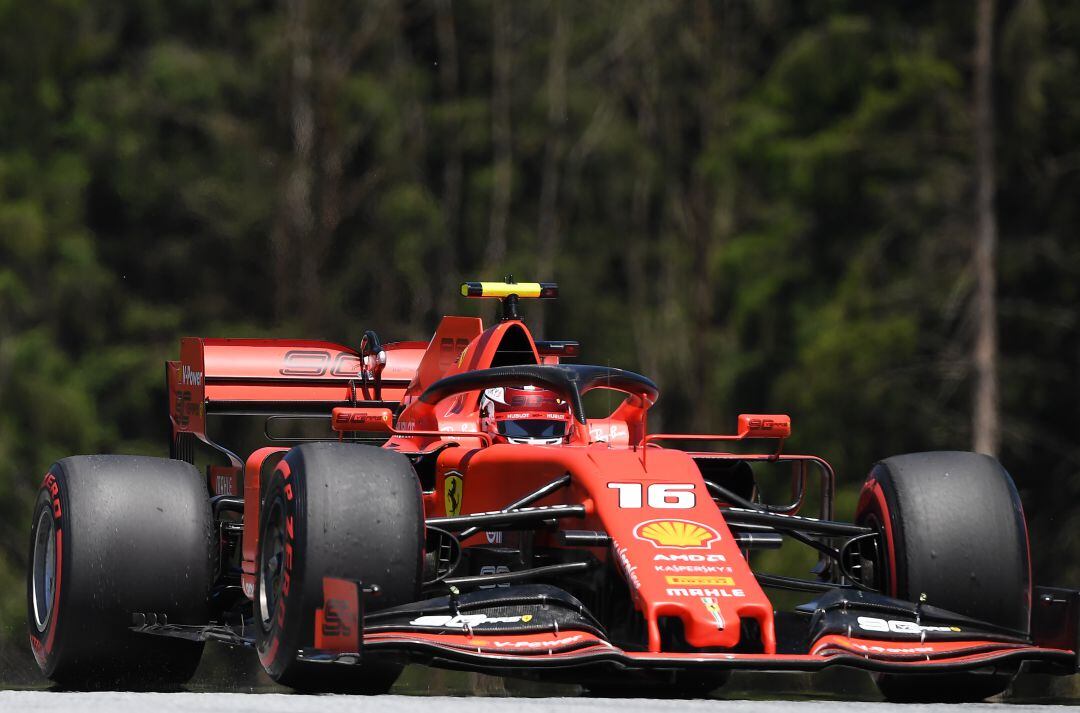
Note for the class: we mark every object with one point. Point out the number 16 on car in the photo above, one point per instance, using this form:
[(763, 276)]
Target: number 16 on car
[(661, 496)]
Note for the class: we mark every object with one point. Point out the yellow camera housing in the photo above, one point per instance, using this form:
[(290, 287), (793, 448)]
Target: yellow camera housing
[(502, 290)]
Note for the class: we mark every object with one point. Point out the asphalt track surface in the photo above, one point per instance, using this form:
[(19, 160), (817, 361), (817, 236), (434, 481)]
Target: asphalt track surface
[(47, 702)]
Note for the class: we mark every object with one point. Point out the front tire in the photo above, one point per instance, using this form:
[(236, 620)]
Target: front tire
[(952, 528), (114, 535), (334, 510)]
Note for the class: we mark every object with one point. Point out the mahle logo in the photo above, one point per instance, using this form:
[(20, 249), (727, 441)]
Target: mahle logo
[(676, 533)]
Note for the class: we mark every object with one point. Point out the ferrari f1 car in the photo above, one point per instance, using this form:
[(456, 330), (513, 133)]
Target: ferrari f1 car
[(450, 503)]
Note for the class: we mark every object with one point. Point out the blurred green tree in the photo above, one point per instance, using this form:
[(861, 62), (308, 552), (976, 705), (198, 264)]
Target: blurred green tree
[(763, 205)]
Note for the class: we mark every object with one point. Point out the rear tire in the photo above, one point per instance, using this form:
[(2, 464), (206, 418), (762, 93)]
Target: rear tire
[(340, 510), (953, 529), (114, 535)]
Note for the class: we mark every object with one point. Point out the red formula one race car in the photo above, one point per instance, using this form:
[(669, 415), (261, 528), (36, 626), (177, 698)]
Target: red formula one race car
[(450, 503)]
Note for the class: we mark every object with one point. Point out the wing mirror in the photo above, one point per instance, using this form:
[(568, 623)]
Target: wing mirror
[(755, 425), (368, 420)]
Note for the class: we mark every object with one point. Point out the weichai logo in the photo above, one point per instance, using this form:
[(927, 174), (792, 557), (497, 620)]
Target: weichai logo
[(676, 533)]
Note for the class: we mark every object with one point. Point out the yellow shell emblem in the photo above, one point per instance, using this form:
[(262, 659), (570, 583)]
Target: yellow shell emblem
[(676, 533)]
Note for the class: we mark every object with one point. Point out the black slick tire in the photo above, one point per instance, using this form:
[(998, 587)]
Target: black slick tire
[(334, 510), (953, 530), (111, 536)]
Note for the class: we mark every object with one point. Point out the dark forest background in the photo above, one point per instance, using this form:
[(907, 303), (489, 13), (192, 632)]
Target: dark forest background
[(764, 205)]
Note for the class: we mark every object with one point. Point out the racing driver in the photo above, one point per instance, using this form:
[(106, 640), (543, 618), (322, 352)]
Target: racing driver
[(525, 414)]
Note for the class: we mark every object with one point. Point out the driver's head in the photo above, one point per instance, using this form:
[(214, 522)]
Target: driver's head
[(524, 414)]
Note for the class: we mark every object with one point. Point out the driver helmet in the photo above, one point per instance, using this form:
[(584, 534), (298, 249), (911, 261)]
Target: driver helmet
[(525, 414)]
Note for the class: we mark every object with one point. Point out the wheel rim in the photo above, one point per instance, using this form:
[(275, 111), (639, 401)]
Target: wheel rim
[(44, 569), (271, 567), (874, 571)]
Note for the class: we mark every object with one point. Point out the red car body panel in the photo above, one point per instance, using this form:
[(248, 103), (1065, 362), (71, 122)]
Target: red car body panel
[(646, 561)]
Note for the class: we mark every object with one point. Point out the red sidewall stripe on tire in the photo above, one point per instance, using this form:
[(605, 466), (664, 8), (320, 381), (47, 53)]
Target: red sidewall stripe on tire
[(43, 649), (269, 654), (872, 499), (1027, 548)]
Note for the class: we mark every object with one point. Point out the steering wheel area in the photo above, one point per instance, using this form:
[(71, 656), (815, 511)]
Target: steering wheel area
[(569, 381)]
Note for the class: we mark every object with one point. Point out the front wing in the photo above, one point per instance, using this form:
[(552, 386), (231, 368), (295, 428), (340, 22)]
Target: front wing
[(536, 628), (542, 627), (581, 648)]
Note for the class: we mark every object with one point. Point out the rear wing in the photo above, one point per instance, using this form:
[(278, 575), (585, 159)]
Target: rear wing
[(278, 376)]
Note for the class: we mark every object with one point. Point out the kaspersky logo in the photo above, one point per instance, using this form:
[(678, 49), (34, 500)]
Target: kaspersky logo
[(676, 533)]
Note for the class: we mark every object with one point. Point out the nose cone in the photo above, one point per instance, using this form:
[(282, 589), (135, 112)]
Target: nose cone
[(675, 550)]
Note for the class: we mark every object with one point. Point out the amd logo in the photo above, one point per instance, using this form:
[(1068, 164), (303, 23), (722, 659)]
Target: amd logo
[(190, 377)]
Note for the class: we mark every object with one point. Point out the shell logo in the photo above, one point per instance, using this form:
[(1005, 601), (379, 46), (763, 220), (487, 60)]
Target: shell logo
[(676, 533)]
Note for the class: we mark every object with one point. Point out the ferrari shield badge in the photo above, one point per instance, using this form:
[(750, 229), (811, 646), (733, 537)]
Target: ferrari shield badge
[(452, 491)]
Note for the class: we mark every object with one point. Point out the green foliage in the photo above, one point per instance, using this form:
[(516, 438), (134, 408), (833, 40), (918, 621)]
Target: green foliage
[(765, 206)]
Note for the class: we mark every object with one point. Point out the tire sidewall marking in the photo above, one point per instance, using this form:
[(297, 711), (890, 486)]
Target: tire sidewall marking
[(270, 653), (872, 501), (43, 642)]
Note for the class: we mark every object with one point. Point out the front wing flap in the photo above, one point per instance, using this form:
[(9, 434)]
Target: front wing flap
[(582, 648), (539, 627)]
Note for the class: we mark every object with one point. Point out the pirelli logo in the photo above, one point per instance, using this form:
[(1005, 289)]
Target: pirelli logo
[(700, 581)]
